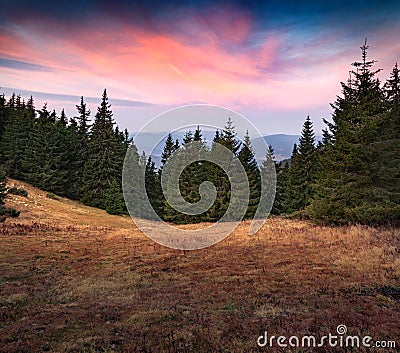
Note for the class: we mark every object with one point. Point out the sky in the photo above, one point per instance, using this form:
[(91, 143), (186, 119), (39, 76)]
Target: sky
[(274, 62)]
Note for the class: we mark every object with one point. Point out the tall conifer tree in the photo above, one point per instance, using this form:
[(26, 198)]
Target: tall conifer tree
[(302, 170), (103, 164)]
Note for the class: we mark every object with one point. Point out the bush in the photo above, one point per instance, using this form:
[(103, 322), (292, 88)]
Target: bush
[(5, 211), (17, 191), (8, 212), (50, 195)]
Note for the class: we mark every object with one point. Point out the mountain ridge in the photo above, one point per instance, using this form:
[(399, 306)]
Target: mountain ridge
[(153, 143)]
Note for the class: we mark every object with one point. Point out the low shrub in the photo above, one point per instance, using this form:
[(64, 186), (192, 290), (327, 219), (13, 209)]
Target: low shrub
[(17, 191), (8, 212), (52, 196)]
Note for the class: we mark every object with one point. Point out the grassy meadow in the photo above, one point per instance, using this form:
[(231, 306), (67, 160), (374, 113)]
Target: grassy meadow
[(75, 279)]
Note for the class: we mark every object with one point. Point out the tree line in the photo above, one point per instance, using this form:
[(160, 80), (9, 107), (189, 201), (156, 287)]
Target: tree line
[(68, 157), (195, 173), (351, 176)]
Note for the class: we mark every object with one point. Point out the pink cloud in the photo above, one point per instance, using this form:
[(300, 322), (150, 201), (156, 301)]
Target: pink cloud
[(215, 61)]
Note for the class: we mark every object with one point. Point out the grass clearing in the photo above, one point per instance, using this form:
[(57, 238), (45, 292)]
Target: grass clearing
[(75, 279)]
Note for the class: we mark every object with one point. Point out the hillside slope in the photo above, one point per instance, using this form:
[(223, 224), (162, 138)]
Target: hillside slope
[(39, 207)]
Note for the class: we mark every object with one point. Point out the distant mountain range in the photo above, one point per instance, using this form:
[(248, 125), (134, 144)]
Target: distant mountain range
[(281, 143), (153, 143)]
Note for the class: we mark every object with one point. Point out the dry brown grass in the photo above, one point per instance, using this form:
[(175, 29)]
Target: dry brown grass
[(74, 279)]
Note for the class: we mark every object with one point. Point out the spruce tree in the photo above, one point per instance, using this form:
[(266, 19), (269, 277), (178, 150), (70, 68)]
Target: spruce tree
[(169, 148), (79, 131), (103, 164), (169, 213), (114, 200), (187, 138), (216, 176), (280, 205), (83, 118), (188, 186), (392, 95), (75, 161), (281, 202), (153, 187), (246, 157), (302, 170), (389, 167), (197, 134), (226, 138), (194, 174), (134, 194)]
